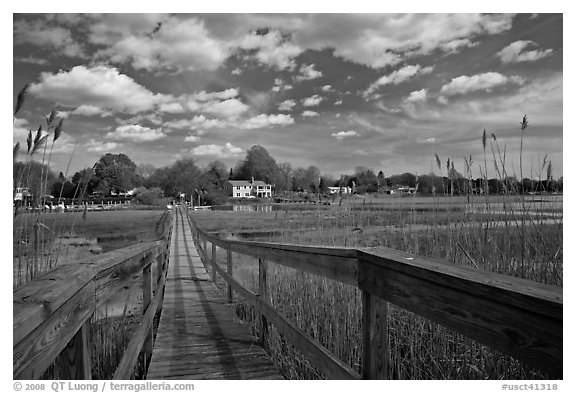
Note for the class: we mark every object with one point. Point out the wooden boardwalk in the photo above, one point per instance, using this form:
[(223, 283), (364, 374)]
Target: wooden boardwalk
[(199, 336)]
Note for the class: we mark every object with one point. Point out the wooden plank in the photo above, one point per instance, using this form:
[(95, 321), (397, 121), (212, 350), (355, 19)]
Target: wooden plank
[(526, 294), (324, 360), (229, 270), (263, 293), (501, 319), (376, 347), (214, 261), (339, 264), (147, 292), (34, 353), (75, 358), (130, 356), (198, 336)]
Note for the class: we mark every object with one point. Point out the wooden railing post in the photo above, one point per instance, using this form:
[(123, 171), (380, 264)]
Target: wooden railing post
[(205, 248), (159, 266), (376, 347), (229, 270), (147, 299), (263, 293), (213, 262), (75, 358)]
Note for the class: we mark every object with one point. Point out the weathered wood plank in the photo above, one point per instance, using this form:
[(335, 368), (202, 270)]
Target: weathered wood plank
[(229, 270), (376, 347), (500, 319), (35, 352), (263, 293), (339, 264), (138, 340), (323, 359), (198, 334), (75, 358)]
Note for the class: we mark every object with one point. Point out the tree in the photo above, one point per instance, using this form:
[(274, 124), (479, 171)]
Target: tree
[(184, 176), (85, 182), (62, 187), (365, 179), (116, 172), (32, 175), (145, 170), (259, 165), (153, 196), (285, 175)]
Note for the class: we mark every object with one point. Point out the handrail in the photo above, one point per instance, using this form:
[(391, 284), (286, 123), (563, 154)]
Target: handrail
[(518, 317), (51, 313)]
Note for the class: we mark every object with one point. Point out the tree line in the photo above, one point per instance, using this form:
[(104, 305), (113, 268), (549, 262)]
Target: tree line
[(115, 174)]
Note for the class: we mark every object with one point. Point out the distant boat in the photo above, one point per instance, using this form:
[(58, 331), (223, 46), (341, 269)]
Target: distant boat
[(202, 207)]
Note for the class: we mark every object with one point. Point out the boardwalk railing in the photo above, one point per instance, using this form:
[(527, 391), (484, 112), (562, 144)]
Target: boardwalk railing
[(517, 317), (51, 314)]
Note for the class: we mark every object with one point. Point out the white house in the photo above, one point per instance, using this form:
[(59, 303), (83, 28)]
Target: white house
[(403, 190), (338, 190), (249, 189)]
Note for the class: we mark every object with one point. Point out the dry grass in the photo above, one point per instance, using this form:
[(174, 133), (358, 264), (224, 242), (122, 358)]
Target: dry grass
[(442, 228)]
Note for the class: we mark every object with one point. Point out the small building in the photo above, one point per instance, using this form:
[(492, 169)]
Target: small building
[(339, 190), (248, 189), (403, 190)]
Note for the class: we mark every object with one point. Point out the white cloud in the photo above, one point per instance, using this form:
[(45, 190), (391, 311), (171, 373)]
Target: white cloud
[(171, 107), (327, 88), (135, 133), (229, 108), (178, 43), (310, 114), (38, 32), (271, 49), (279, 85), (398, 76), (287, 105), (339, 102), (314, 100), (379, 40), (236, 71), (455, 45), (426, 141), (192, 138), (345, 134), (198, 121), (90, 110), (263, 120), (139, 118), (31, 60), (20, 131), (100, 147), (216, 95), (307, 72), (225, 151), (516, 52), (98, 86), (223, 103), (418, 95), (486, 81)]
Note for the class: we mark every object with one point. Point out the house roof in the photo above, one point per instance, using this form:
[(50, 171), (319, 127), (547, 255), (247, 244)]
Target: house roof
[(246, 183), (240, 183)]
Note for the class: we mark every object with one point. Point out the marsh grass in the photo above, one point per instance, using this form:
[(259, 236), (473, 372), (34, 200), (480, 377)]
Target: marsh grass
[(510, 234)]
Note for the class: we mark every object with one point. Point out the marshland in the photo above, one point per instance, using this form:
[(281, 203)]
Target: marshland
[(518, 236), (435, 139)]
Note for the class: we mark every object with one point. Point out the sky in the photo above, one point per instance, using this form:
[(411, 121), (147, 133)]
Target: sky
[(338, 91)]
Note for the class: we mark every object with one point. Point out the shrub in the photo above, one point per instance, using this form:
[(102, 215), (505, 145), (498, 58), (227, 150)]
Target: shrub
[(149, 196)]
